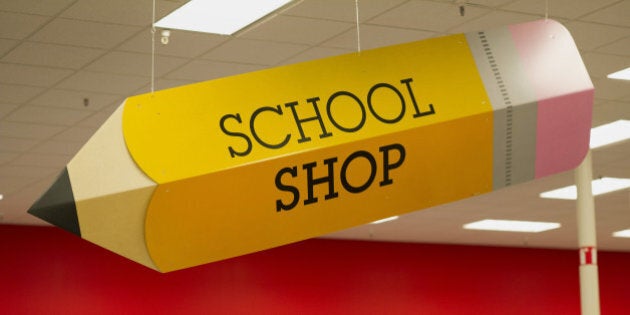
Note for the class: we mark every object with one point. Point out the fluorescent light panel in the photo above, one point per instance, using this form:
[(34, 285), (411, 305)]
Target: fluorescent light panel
[(511, 226), (219, 16), (385, 220), (600, 186), (613, 132), (622, 233), (620, 75)]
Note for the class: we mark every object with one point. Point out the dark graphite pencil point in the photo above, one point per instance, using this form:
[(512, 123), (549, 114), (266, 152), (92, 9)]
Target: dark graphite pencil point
[(57, 205)]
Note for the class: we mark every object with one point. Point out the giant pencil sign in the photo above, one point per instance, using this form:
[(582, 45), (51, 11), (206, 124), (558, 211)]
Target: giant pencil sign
[(227, 167)]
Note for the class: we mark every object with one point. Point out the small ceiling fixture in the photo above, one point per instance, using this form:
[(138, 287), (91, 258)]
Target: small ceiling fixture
[(219, 16), (165, 36)]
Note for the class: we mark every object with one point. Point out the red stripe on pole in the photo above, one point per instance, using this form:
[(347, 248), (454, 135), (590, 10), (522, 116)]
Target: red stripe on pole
[(588, 255)]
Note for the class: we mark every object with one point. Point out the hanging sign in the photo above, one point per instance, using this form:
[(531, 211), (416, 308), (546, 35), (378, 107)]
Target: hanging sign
[(231, 166)]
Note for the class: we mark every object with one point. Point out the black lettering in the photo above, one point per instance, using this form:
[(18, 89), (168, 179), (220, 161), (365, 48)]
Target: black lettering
[(233, 152), (277, 110), (413, 100), (292, 189), (317, 117), (379, 117), (334, 122), (344, 168), (386, 165), (330, 179)]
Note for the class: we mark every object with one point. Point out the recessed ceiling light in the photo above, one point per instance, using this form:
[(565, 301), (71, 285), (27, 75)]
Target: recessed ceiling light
[(1, 196), (610, 133), (620, 75), (385, 220), (511, 226), (599, 186), (218, 16), (622, 233)]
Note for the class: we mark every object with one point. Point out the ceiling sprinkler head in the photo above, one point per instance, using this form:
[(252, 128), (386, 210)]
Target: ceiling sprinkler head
[(166, 34)]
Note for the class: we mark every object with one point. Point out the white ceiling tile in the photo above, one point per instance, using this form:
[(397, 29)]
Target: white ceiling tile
[(61, 147), (617, 14), (135, 64), (18, 25), (341, 10), (47, 115), (5, 109), (58, 56), (17, 93), (612, 111), (610, 89), (163, 84), (494, 19), (203, 70), (619, 169), (373, 36), (103, 83), (6, 45), (119, 11), (296, 30), (75, 99), (8, 185), (589, 36), (16, 145), (254, 51), (6, 157), (69, 141), (318, 53), (21, 199), (28, 131), (31, 75), (84, 33), (26, 171), (620, 47), (569, 9), (603, 156), (22, 217), (426, 15), (42, 160), (488, 3), (95, 121), (40, 7), (181, 43), (600, 65)]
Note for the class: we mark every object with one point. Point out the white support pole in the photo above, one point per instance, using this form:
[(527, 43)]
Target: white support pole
[(587, 240)]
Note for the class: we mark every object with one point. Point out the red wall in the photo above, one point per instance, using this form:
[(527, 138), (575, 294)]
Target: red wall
[(44, 270)]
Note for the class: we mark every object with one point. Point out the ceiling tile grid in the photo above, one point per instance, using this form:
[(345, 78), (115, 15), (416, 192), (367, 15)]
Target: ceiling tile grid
[(51, 55), (18, 25), (66, 65), (254, 51), (36, 7)]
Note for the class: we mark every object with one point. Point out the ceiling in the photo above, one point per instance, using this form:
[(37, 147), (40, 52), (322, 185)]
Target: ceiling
[(56, 55)]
